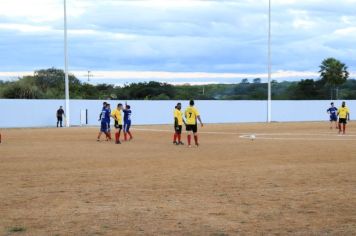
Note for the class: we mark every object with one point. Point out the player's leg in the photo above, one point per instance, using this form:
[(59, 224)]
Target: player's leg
[(340, 123), (180, 135), (195, 131), (57, 121), (61, 121), (125, 131), (128, 130), (175, 135), (118, 133), (344, 127), (0, 137), (189, 134), (102, 130), (109, 132)]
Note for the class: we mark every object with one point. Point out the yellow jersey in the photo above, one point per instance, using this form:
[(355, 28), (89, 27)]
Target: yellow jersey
[(117, 116), (179, 115), (343, 111), (191, 114)]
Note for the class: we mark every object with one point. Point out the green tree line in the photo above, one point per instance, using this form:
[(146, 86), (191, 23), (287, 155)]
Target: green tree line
[(49, 84)]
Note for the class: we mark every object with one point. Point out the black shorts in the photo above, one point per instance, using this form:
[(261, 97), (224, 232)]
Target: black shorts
[(117, 126), (178, 129), (342, 121), (59, 118), (193, 128)]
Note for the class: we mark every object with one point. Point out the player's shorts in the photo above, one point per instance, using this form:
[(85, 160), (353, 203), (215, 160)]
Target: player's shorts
[(193, 128), (178, 129), (59, 118), (105, 127), (342, 121), (127, 126), (333, 118), (117, 125)]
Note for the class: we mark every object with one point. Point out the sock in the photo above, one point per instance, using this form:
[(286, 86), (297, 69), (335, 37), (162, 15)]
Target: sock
[(130, 134), (125, 136), (196, 139), (188, 139), (179, 138), (117, 136), (175, 137)]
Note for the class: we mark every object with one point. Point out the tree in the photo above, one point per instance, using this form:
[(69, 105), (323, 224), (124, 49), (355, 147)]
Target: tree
[(257, 81), (334, 73), (244, 81)]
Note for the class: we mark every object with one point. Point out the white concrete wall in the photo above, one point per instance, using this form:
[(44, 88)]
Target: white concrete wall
[(42, 113)]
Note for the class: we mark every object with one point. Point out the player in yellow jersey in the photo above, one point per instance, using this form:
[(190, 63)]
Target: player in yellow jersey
[(192, 115), (178, 124), (344, 116), (116, 114)]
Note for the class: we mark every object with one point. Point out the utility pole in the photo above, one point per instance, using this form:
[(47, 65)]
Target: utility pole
[(67, 108), (269, 102)]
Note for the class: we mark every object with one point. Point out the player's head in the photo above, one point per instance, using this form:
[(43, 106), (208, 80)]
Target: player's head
[(119, 106), (179, 106), (332, 104), (107, 105), (104, 104), (128, 107), (343, 104), (191, 102), (61, 107)]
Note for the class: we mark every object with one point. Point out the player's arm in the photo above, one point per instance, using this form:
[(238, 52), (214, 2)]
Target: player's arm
[(199, 119), (100, 116), (112, 115)]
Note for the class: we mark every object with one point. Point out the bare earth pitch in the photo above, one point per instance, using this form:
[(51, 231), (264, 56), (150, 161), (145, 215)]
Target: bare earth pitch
[(295, 178)]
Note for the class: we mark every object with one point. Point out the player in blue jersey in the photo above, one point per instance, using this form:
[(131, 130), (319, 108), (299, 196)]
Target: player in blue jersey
[(332, 111), (105, 122), (127, 122)]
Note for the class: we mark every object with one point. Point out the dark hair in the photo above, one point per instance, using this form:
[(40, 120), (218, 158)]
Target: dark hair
[(128, 106), (191, 102), (332, 103), (104, 103), (119, 105), (179, 104)]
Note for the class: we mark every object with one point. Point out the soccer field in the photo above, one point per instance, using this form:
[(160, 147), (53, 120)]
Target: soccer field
[(294, 178)]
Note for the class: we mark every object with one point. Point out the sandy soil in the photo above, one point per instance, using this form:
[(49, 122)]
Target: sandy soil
[(293, 179)]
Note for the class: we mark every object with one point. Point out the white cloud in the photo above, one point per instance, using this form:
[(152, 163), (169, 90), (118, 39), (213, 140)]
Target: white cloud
[(224, 37)]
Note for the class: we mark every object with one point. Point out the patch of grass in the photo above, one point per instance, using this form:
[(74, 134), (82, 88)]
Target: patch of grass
[(17, 229)]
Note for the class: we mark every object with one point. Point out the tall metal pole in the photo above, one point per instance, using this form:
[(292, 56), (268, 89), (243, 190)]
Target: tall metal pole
[(67, 108), (269, 102)]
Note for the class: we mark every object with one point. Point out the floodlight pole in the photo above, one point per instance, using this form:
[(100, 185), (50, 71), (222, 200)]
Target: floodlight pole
[(269, 102), (67, 108)]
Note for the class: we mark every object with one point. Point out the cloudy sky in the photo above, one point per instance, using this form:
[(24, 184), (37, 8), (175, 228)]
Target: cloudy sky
[(176, 41)]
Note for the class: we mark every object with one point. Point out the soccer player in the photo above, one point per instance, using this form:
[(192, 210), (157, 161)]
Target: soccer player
[(127, 122), (105, 123), (60, 114), (344, 116), (192, 115), (116, 114), (332, 111), (178, 124)]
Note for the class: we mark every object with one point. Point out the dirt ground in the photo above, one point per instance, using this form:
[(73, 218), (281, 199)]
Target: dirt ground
[(293, 179)]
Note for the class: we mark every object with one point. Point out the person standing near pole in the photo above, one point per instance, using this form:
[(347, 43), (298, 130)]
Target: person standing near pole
[(60, 115)]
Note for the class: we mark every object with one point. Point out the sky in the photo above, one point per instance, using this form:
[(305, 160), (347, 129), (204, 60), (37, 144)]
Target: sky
[(176, 41)]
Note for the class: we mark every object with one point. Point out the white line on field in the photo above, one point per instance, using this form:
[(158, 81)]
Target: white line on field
[(294, 136)]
